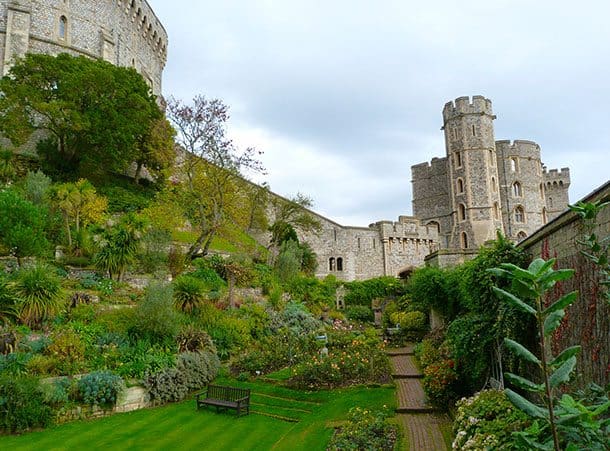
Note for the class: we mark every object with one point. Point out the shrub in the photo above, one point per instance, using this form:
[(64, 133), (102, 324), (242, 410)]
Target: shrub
[(205, 271), (154, 252), (168, 385), (100, 388), (360, 313), (298, 318), (229, 334), (189, 292), (139, 360), (68, 351), (439, 382), (364, 292), (155, 317), (412, 324), (42, 365), (23, 405), (486, 421), (39, 294), (191, 339), (199, 368), (365, 430)]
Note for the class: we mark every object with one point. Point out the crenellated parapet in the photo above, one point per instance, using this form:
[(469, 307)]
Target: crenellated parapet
[(557, 177), (466, 105)]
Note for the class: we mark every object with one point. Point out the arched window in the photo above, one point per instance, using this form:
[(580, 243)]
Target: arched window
[(514, 167), (464, 240), (519, 214), (340, 264), (517, 191), (63, 27), (521, 236), (434, 226), (331, 264), (492, 158), (494, 188), (496, 211), (458, 160), (461, 212), (544, 217), (460, 186)]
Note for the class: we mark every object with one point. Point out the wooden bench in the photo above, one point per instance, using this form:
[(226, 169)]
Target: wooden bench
[(225, 398)]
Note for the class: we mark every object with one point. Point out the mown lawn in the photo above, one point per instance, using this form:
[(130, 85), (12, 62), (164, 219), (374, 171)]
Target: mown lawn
[(280, 419)]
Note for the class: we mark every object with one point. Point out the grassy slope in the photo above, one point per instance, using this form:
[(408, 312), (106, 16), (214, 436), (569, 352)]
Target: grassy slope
[(181, 426)]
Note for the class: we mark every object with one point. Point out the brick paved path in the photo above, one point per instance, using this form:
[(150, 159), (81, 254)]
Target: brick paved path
[(418, 420)]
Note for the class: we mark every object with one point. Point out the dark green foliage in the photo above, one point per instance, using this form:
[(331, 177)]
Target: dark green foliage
[(189, 292), (365, 429), (360, 313), (95, 113), (22, 226), (435, 288), (191, 339), (211, 270), (36, 187), (313, 292), (364, 292), (130, 199), (100, 388), (38, 294), (281, 232), (288, 263), (168, 385), (22, 404), (154, 252), (155, 317)]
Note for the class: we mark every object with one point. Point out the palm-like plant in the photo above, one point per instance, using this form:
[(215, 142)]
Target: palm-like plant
[(38, 294), (189, 293)]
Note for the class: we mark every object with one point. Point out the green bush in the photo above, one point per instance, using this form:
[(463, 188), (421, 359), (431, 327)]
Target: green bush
[(23, 404), (189, 292), (121, 199), (364, 292), (100, 388), (360, 313), (198, 368), (486, 421), (440, 383), (67, 349), (154, 252), (168, 385), (365, 430), (38, 293), (191, 339), (206, 272), (138, 360), (155, 318)]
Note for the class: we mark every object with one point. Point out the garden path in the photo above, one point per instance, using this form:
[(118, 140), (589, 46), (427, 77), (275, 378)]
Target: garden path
[(418, 420)]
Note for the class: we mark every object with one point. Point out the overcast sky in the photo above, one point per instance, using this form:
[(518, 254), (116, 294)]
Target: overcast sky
[(343, 97)]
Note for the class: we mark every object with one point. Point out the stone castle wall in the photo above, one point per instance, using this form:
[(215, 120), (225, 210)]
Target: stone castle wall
[(123, 32), (587, 322)]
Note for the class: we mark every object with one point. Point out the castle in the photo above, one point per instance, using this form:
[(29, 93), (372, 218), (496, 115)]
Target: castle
[(123, 32), (460, 201)]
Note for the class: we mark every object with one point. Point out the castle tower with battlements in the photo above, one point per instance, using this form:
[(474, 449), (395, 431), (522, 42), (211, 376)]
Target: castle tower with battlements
[(483, 186)]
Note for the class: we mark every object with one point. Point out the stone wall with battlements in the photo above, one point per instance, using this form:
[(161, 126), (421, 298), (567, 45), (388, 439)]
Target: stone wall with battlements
[(123, 32)]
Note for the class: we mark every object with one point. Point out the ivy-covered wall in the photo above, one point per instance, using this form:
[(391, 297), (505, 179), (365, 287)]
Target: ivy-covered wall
[(588, 320)]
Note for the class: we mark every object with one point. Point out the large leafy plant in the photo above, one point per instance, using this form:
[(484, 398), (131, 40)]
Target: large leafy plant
[(560, 423)]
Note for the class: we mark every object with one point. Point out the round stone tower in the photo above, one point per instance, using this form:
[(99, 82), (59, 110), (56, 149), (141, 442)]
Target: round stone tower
[(472, 171)]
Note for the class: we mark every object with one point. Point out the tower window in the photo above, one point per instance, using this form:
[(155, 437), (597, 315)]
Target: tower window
[(496, 211), (462, 212), (494, 188), (474, 133), (331, 264), (517, 191), (63, 27), (514, 167), (458, 159), (519, 214), (521, 236), (339, 264), (541, 191), (492, 158), (544, 218), (460, 186), (464, 240)]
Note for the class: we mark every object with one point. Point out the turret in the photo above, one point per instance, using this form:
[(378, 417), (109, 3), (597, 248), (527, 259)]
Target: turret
[(473, 175), (556, 184)]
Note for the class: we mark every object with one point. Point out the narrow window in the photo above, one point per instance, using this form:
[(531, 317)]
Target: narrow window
[(513, 164), (462, 212), (519, 214), (492, 158), (464, 239), (517, 191), (494, 188), (358, 243), (550, 202), (340, 264), (460, 186), (458, 159), (335, 234), (331, 264), (63, 27), (541, 191), (374, 244), (544, 218), (474, 133), (496, 211)]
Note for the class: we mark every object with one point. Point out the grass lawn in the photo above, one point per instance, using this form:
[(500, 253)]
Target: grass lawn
[(280, 419)]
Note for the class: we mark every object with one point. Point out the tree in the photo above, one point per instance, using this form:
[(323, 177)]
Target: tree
[(80, 206), (22, 226), (156, 150), (210, 170), (93, 114)]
